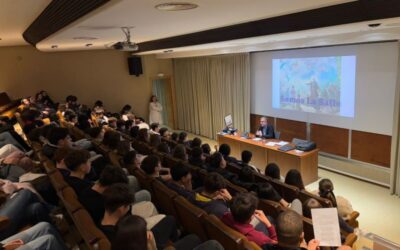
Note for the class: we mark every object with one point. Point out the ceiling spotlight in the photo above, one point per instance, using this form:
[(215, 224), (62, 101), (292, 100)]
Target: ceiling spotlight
[(88, 44), (54, 46), (176, 6)]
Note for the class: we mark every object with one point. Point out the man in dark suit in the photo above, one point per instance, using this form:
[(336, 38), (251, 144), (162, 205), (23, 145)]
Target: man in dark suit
[(265, 130)]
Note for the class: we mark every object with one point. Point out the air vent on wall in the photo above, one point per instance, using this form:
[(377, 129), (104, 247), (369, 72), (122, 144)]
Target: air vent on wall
[(176, 6)]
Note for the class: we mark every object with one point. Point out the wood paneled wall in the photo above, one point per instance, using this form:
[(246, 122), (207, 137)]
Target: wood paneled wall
[(366, 147)]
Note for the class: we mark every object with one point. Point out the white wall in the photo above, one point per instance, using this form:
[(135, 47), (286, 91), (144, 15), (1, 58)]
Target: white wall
[(376, 74)]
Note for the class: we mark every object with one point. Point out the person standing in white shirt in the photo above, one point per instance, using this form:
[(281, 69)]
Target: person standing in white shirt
[(155, 111)]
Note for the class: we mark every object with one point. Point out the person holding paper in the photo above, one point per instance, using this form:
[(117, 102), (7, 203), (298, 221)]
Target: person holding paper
[(265, 130)]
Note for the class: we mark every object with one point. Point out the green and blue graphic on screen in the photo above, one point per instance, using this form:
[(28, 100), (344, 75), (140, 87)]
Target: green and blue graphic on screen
[(317, 84)]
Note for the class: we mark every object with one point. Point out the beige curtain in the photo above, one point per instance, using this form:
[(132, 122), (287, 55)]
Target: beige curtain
[(395, 152), (208, 89)]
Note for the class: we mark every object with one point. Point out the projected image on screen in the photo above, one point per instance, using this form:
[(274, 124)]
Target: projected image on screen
[(317, 84)]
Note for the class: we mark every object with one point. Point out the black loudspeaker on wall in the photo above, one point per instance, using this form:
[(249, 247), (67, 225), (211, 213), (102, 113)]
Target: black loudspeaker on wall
[(135, 65)]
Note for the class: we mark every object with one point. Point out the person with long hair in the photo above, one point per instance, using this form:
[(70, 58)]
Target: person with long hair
[(155, 109), (293, 177)]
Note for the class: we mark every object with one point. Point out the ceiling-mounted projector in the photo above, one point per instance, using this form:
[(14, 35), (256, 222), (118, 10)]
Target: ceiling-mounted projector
[(126, 45)]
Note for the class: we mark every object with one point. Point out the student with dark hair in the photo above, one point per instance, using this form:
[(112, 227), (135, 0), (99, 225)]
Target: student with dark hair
[(151, 165), (246, 159), (77, 161), (214, 196), (272, 170), (164, 132), (293, 177), (83, 122), (131, 162), (247, 179), (180, 152), (96, 133), (181, 181), (155, 140), (309, 204), (289, 227), (140, 122), (134, 132), (57, 138), (111, 139), (143, 135), (130, 233), (243, 208), (126, 113), (225, 150), (206, 148), (197, 158), (196, 142), (182, 137), (267, 191), (218, 164), (343, 206), (92, 199), (174, 136), (155, 128), (163, 148), (58, 158), (71, 117)]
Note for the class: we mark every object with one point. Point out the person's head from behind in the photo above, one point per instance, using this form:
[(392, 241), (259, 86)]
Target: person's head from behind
[(130, 158), (111, 175), (266, 191), (98, 103), (181, 173), (243, 207), (196, 142), (60, 155), (263, 121), (163, 132), (143, 135), (206, 148), (225, 150), (272, 170), (180, 152), (111, 139), (118, 199), (293, 177), (4, 120), (246, 156), (134, 132), (182, 137), (174, 136), (59, 137), (246, 174), (78, 161), (155, 140), (155, 127), (197, 154), (214, 183), (163, 148), (95, 132), (70, 116), (130, 234), (126, 109), (217, 161), (151, 165), (326, 190), (309, 204), (289, 227)]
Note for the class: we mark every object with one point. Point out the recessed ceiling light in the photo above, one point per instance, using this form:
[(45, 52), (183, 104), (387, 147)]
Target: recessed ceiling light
[(84, 38), (176, 6), (168, 51), (54, 46)]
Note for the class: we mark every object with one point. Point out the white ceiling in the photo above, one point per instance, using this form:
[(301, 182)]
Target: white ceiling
[(151, 23), (15, 17)]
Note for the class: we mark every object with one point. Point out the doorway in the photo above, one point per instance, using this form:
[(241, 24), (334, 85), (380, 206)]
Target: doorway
[(162, 88)]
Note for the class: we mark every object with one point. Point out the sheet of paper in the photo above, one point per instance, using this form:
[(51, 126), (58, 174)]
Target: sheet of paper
[(282, 143), (271, 143), (257, 139), (298, 151), (326, 226)]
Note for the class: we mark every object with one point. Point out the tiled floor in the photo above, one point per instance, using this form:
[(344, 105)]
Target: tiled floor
[(379, 211)]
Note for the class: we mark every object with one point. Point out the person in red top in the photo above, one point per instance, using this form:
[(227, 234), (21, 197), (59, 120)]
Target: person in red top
[(243, 209)]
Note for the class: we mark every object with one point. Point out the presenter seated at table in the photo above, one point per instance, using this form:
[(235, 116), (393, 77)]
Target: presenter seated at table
[(265, 130)]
